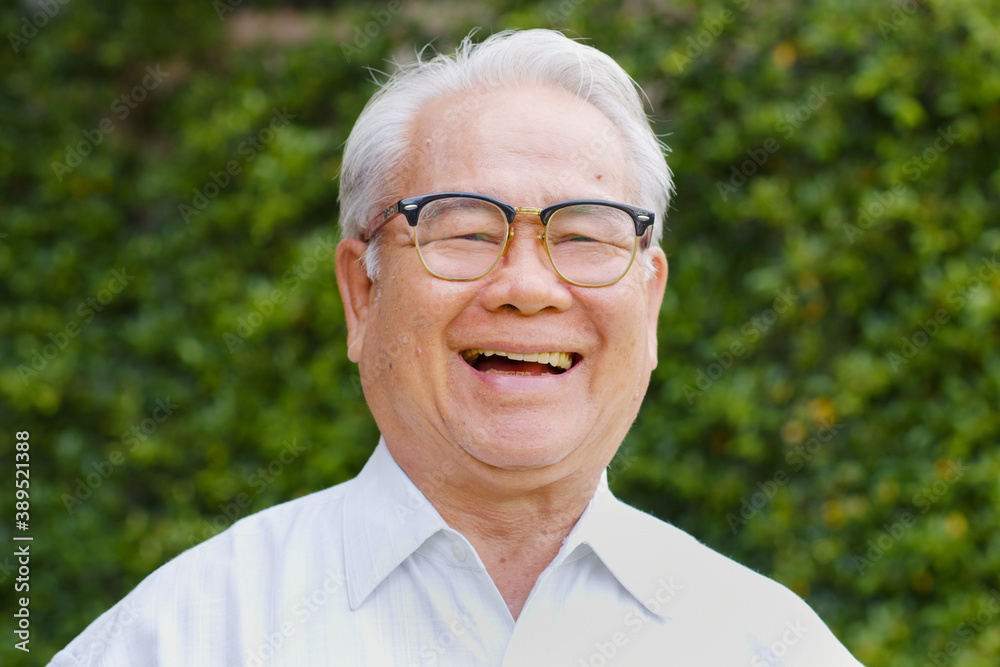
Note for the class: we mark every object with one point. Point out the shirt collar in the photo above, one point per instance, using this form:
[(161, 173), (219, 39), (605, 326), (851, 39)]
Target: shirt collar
[(614, 531), (387, 518)]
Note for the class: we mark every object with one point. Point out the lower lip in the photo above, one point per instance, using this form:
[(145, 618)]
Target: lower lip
[(520, 384)]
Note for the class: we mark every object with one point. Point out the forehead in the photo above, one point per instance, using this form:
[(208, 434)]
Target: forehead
[(529, 141)]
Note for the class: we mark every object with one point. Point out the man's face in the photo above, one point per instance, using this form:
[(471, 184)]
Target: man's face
[(532, 146)]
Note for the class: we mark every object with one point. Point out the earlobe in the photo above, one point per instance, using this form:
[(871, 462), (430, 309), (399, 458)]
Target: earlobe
[(656, 285), (355, 292)]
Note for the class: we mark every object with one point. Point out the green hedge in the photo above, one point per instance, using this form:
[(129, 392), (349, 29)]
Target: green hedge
[(826, 405)]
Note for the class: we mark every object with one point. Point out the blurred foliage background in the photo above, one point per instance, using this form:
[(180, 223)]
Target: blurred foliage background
[(826, 405)]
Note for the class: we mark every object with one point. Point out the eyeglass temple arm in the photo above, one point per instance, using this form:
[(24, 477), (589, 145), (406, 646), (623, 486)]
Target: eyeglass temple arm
[(379, 221)]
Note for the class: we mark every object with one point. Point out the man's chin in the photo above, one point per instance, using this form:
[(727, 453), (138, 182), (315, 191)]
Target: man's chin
[(516, 452)]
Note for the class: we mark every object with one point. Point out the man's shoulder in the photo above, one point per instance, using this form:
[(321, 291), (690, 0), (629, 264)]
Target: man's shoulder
[(712, 593), (681, 546), (261, 541), (273, 523), (679, 554), (229, 577)]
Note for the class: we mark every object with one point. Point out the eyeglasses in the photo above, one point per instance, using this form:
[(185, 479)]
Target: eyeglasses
[(462, 236)]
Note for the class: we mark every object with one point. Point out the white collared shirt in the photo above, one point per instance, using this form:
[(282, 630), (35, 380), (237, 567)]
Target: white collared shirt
[(367, 573)]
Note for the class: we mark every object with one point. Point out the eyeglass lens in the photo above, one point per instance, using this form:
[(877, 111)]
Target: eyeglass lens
[(462, 238)]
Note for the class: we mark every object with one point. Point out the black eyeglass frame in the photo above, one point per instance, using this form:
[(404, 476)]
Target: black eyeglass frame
[(410, 207)]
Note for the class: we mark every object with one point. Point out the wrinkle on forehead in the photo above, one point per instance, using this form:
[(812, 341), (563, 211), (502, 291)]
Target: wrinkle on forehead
[(446, 127)]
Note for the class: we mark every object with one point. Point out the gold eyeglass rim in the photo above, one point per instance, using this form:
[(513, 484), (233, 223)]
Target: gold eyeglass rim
[(410, 208)]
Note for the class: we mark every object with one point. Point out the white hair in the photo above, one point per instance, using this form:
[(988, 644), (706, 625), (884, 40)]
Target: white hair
[(378, 147)]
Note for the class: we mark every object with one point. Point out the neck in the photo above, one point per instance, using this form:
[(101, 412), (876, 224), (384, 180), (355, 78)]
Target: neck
[(516, 535)]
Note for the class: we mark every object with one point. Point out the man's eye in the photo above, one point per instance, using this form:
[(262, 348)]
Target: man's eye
[(574, 236)]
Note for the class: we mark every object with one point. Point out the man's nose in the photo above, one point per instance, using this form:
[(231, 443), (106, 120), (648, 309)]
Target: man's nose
[(524, 278)]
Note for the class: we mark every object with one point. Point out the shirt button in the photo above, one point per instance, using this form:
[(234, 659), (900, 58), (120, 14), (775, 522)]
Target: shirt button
[(458, 551)]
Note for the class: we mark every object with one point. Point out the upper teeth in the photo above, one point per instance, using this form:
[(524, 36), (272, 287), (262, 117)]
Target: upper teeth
[(555, 359)]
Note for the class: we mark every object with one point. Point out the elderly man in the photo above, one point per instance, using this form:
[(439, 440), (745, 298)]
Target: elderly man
[(501, 279)]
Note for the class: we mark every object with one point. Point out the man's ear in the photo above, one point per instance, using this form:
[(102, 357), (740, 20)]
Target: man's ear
[(655, 287), (355, 291)]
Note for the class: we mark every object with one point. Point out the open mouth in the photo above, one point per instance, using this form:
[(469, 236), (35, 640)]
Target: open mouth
[(514, 363)]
